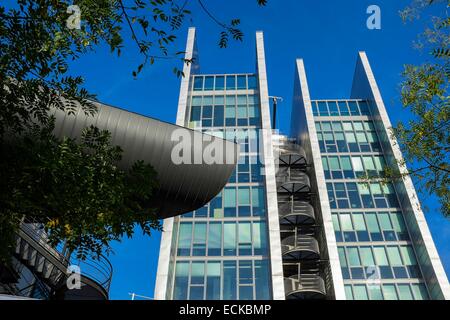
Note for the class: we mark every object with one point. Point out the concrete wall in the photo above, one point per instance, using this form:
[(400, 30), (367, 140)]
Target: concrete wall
[(273, 221)]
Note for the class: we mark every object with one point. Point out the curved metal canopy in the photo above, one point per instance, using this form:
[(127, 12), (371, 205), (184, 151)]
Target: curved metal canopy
[(182, 187)]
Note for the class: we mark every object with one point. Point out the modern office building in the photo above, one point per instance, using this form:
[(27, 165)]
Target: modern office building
[(296, 219)]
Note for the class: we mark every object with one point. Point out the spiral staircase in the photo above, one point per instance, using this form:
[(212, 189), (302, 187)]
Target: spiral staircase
[(42, 271), (298, 224)]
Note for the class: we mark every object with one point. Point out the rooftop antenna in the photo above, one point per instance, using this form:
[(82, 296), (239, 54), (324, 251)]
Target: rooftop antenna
[(274, 115)]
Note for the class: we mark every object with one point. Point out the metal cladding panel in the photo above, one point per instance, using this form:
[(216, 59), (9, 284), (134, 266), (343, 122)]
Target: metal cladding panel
[(182, 187)]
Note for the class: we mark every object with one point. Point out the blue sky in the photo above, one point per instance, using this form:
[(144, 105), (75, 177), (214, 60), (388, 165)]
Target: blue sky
[(326, 34)]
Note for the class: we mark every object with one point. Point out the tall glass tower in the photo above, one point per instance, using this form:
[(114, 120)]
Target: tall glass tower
[(296, 219), (221, 251)]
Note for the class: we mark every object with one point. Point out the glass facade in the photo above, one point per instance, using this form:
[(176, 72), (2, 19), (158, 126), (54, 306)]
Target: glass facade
[(220, 251), (375, 250)]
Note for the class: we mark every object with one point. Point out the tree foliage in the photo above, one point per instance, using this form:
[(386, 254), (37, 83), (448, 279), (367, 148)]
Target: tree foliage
[(75, 187), (425, 139)]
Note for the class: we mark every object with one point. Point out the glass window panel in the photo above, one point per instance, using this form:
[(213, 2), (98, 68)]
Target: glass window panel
[(197, 272), (252, 82), (253, 99), (405, 292), (229, 280), (358, 220), (245, 272), (220, 83), (325, 163), (252, 111), (323, 110), (337, 126), (318, 126), (389, 292), (213, 281), (334, 163), (398, 222), (348, 126), (259, 237), (215, 239), (420, 291), (361, 137), (342, 259), (346, 163), (329, 137), (198, 83), (353, 108), (200, 232), (372, 223), (363, 189), (230, 112), (379, 163), (231, 100), (357, 164), (375, 292), (353, 257), (229, 238), (348, 292), (394, 256), (209, 83), (244, 196), (184, 239), (358, 126), (336, 225), (332, 105), (242, 111), (388, 188), (408, 255), (360, 292), (380, 256), (196, 113), (343, 108), (368, 163), (371, 136), (262, 281), (231, 82), (229, 196), (385, 222), (339, 136), (245, 292), (375, 188), (366, 256), (368, 126), (245, 235), (180, 291), (219, 100), (242, 82), (208, 100), (197, 101), (242, 100), (326, 126), (350, 136), (218, 116), (346, 222), (258, 197)]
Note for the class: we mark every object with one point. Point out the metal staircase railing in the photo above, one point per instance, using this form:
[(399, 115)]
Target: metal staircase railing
[(50, 264), (297, 217)]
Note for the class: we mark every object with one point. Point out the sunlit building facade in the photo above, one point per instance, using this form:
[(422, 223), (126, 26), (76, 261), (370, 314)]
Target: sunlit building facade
[(297, 219)]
